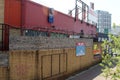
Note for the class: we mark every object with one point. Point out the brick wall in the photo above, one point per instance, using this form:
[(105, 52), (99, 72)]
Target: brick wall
[(36, 43), (1, 11)]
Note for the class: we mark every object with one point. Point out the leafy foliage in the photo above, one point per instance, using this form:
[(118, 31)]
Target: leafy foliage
[(111, 58)]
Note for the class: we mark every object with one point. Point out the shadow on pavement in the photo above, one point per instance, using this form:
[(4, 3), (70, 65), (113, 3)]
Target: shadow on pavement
[(89, 74)]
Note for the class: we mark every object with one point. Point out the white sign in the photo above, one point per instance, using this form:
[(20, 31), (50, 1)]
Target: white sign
[(92, 17)]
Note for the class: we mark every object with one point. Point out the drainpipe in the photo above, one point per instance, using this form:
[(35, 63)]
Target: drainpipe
[(22, 15), (76, 10)]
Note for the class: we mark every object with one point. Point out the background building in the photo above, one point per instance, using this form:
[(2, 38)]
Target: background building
[(104, 21), (116, 30)]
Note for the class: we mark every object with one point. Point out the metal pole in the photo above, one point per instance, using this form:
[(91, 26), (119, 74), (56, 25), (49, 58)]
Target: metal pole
[(2, 37), (75, 9), (87, 13)]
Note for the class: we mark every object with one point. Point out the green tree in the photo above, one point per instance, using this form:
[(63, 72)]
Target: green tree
[(111, 58)]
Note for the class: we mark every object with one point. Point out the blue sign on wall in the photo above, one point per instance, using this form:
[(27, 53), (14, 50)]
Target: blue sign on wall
[(80, 49), (51, 15), (51, 19)]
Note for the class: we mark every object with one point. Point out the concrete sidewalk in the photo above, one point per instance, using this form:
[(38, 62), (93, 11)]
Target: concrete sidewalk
[(93, 73)]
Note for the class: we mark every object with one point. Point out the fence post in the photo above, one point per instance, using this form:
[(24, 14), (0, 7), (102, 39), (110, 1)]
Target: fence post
[(36, 64)]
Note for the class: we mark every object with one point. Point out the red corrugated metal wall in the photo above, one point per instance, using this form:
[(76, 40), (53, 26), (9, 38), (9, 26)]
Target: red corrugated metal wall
[(13, 12), (36, 15)]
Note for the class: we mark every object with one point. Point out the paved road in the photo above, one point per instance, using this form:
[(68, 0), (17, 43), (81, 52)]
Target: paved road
[(93, 73)]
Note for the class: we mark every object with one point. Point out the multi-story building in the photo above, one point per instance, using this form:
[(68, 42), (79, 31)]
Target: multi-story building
[(104, 21)]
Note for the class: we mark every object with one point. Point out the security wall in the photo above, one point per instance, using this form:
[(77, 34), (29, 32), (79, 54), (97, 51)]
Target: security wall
[(36, 16), (47, 64), (39, 42), (30, 15), (32, 63)]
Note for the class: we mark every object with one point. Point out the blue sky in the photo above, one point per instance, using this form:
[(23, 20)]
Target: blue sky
[(112, 6)]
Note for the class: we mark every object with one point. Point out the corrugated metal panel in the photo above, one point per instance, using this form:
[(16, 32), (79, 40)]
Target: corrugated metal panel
[(36, 15), (13, 12)]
